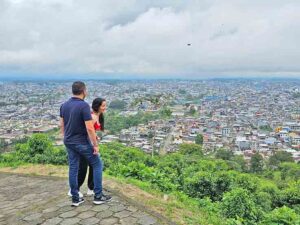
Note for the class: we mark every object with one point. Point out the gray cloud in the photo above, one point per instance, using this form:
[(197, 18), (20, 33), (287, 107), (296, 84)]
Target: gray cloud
[(142, 37)]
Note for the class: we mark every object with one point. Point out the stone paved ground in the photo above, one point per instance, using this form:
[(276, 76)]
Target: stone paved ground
[(42, 200)]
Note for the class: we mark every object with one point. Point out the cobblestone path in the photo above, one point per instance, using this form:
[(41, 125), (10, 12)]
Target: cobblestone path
[(43, 200)]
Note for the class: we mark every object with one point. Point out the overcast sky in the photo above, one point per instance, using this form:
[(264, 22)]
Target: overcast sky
[(150, 38)]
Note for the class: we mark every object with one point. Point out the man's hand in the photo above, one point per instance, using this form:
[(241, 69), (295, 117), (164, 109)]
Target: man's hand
[(96, 150)]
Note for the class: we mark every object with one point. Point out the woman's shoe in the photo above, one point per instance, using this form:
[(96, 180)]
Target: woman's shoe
[(90, 192), (80, 194)]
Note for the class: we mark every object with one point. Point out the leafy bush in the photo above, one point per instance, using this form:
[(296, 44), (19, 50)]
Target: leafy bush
[(256, 163), (116, 122), (224, 154), (263, 200), (247, 182), (190, 149), (283, 215), (291, 196), (38, 149), (238, 204), (280, 157), (206, 184), (289, 171)]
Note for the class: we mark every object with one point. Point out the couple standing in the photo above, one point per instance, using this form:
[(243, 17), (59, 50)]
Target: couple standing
[(79, 125)]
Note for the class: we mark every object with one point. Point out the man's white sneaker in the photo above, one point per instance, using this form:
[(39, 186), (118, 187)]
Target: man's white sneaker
[(90, 192), (80, 194)]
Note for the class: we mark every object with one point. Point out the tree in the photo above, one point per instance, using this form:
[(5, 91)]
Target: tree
[(296, 95), (165, 112), (291, 195), (224, 154), (189, 97), (200, 185), (241, 162), (151, 134), (115, 123), (208, 184), (190, 149), (182, 91), (256, 163), (289, 171), (279, 157), (192, 111), (39, 143), (283, 215), (199, 139), (118, 104), (2, 143), (239, 204), (266, 128), (264, 201), (246, 181)]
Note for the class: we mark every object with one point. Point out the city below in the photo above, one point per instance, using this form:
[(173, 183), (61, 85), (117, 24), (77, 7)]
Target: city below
[(240, 115)]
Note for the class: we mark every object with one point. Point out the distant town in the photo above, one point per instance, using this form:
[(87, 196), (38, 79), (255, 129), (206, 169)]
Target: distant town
[(243, 116)]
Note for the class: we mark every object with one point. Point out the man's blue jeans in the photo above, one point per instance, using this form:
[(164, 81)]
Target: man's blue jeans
[(86, 151)]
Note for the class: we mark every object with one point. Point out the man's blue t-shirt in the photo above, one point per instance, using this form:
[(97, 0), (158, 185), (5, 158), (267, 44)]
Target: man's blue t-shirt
[(75, 112)]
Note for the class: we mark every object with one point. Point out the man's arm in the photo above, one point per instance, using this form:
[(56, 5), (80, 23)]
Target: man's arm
[(92, 134), (62, 126)]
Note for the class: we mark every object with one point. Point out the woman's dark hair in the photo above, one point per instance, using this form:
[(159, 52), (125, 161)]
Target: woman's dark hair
[(95, 106)]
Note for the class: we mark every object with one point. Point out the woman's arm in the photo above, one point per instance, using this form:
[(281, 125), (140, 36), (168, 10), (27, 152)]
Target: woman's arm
[(95, 120), (94, 117)]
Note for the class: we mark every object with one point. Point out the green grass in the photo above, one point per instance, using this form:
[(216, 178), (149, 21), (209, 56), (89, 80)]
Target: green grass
[(15, 164)]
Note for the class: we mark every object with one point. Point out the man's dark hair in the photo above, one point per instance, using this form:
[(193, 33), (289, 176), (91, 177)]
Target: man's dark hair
[(78, 87)]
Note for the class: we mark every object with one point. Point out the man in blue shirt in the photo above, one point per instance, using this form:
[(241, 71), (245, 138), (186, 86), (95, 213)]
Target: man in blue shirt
[(80, 141)]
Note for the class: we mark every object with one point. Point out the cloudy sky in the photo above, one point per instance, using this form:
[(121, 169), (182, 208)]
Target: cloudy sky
[(150, 38)]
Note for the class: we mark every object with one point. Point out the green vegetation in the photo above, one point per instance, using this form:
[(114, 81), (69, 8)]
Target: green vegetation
[(296, 95), (182, 91), (165, 112), (199, 139), (38, 149), (2, 143), (279, 157), (220, 188), (224, 154), (154, 99), (266, 128), (118, 104), (192, 111), (116, 122), (256, 163), (194, 99), (283, 215)]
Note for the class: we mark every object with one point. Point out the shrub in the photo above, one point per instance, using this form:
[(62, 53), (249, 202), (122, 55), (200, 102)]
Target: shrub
[(238, 204), (283, 215), (190, 149), (206, 184), (291, 196)]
